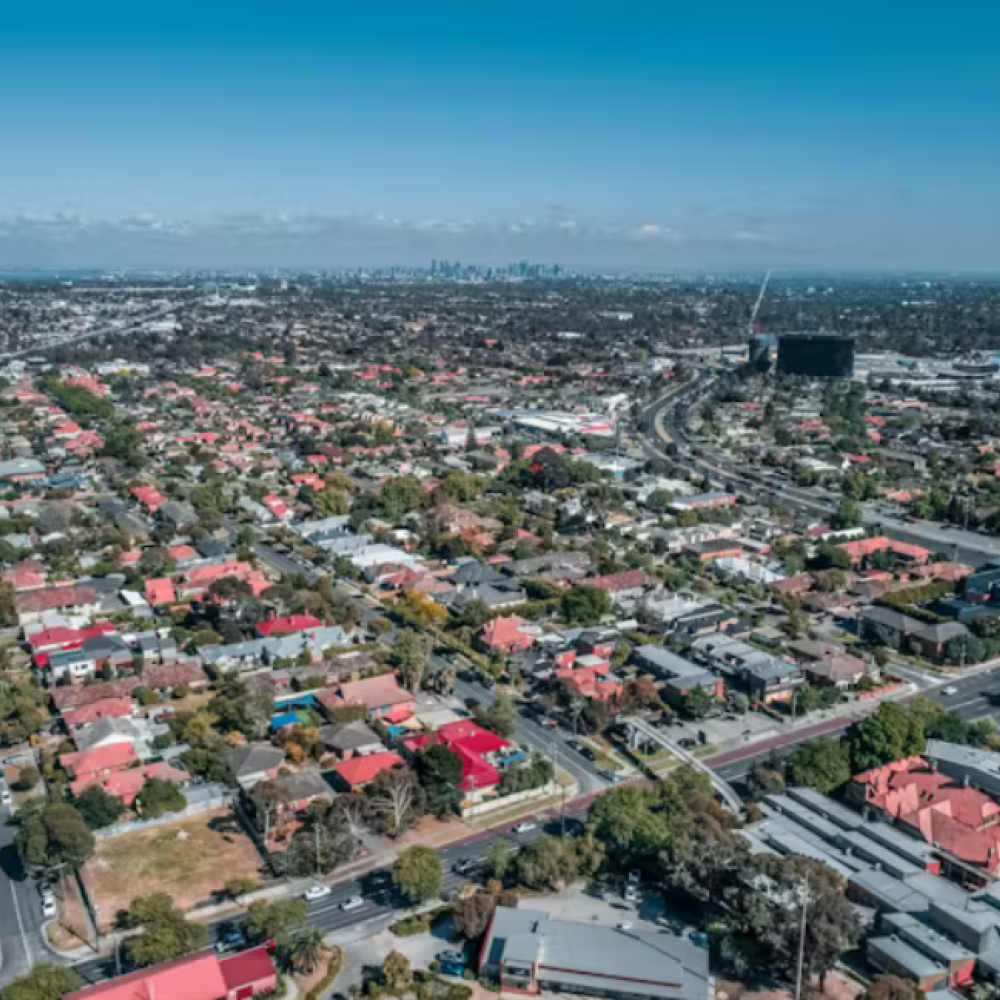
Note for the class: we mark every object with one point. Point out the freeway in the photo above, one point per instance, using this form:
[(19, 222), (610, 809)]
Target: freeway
[(108, 331), (660, 425)]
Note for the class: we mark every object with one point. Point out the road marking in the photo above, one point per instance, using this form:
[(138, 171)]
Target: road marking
[(20, 923)]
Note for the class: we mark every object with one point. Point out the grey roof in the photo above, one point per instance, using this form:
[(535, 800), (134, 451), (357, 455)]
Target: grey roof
[(306, 784), (475, 572), (943, 631), (104, 728), (348, 736), (914, 931), (588, 958), (905, 956), (668, 663), (254, 758), (21, 467)]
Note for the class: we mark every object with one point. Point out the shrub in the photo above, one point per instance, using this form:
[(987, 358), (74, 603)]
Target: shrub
[(332, 971)]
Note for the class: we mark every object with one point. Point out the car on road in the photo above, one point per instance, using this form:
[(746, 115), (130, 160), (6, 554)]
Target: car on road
[(465, 866), (526, 827), (48, 907), (588, 754), (548, 722), (5, 797), (687, 743), (613, 776), (317, 891), (949, 690), (450, 956), (354, 903), (625, 925), (699, 938), (631, 894)]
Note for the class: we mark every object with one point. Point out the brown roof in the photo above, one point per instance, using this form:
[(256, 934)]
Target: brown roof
[(48, 598), (169, 675)]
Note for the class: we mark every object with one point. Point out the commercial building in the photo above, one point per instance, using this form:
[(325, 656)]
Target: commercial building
[(816, 355), (527, 951)]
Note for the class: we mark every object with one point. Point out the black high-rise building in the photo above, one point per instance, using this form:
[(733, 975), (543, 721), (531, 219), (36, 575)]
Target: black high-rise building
[(816, 355)]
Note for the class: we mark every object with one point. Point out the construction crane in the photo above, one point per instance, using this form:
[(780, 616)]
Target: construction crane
[(757, 304)]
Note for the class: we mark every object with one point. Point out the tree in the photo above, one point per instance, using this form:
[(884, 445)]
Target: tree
[(307, 950), (498, 860), (27, 778), (278, 920), (8, 606), (823, 764), (397, 976), (22, 712), (585, 605), (697, 703), (46, 981), (624, 820), (892, 988), (440, 772), (55, 835), (98, 808), (501, 716), (410, 657), (547, 863), (237, 887), (396, 799), (849, 515), (417, 874), (471, 915), (765, 781), (159, 797), (891, 733), (166, 934)]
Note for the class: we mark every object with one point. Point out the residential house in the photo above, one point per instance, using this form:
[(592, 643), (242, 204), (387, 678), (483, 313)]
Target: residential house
[(382, 696), (356, 773), (825, 663), (253, 763), (507, 635), (350, 739)]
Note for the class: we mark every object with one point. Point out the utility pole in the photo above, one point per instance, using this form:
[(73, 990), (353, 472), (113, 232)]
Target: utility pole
[(802, 941)]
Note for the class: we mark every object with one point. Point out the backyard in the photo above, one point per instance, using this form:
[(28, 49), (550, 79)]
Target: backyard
[(191, 859)]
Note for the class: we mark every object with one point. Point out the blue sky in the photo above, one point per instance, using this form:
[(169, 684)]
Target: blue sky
[(661, 134)]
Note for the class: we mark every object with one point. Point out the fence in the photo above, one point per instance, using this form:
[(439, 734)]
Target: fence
[(506, 801), (206, 803)]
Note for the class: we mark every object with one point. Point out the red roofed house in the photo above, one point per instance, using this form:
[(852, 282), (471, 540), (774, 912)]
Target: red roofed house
[(26, 575), (860, 550), (382, 696), (591, 675), (507, 635), (621, 586), (160, 590), (99, 762), (356, 773), (106, 708), (290, 623), (202, 976), (477, 748), (127, 784), (930, 805)]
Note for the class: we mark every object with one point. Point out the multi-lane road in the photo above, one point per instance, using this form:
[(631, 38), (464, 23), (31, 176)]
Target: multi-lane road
[(21, 943)]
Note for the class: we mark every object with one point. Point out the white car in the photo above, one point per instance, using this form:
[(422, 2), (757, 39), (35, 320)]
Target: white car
[(48, 906), (631, 894), (625, 926), (354, 903), (317, 891), (949, 690), (525, 827), (5, 797)]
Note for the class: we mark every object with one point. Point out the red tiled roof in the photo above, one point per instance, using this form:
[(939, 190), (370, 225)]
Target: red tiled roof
[(246, 967), (290, 623), (160, 590), (115, 708), (171, 675), (113, 756), (615, 582), (362, 770), (77, 695)]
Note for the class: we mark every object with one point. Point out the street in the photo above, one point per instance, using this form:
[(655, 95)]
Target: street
[(21, 942)]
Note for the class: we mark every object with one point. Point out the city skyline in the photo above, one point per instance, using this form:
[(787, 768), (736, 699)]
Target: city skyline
[(648, 136)]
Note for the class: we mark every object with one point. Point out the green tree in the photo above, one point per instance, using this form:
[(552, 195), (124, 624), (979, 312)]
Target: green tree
[(159, 797), (440, 772), (98, 808), (410, 657), (891, 733), (279, 920), (547, 863), (417, 874), (55, 835), (397, 976), (501, 716), (46, 981), (764, 780), (823, 764), (166, 934), (624, 820), (849, 514), (585, 605), (307, 950), (697, 703)]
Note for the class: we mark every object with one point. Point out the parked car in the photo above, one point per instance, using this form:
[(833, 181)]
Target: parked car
[(354, 903), (526, 827), (465, 866), (631, 894), (450, 956), (588, 753), (687, 743), (5, 797), (234, 940), (317, 891), (49, 907)]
